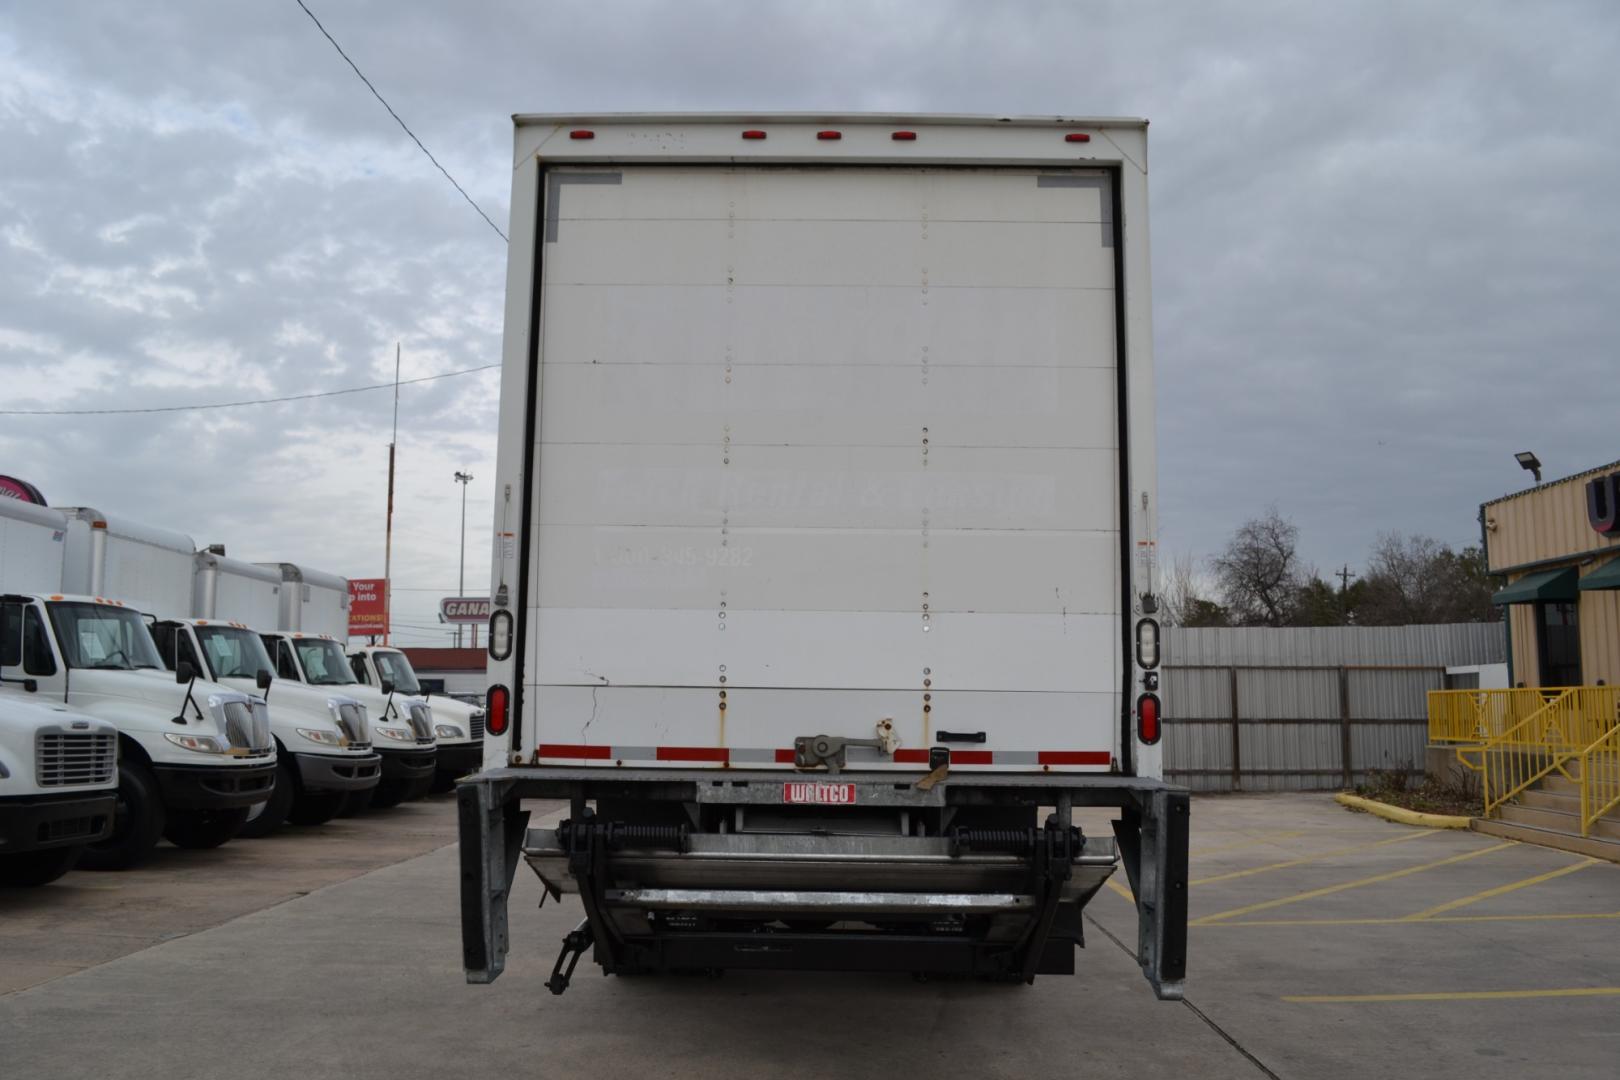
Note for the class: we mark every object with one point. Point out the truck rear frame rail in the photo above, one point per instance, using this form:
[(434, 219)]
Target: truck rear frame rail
[(704, 887)]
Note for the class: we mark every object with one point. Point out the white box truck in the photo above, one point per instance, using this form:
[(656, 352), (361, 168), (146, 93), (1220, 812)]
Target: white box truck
[(822, 580), (457, 726), (194, 755), (58, 780), (312, 601)]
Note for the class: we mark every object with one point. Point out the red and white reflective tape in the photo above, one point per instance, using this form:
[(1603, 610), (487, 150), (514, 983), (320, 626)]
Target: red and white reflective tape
[(723, 755)]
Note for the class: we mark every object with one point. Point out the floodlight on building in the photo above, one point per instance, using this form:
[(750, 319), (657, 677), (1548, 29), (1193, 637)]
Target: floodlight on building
[(1529, 462)]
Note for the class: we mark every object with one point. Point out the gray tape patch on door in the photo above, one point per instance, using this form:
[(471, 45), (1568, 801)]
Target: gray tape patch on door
[(554, 183), (1104, 197)]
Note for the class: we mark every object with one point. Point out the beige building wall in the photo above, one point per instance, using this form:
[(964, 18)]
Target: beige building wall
[(1539, 530)]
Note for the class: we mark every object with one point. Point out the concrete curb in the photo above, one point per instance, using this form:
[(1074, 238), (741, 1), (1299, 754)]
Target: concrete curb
[(1402, 815)]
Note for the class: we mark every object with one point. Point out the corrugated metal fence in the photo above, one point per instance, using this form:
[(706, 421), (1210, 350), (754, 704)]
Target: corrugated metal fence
[(1295, 709)]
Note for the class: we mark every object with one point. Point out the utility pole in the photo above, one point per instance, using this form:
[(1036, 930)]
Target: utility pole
[(388, 534), (462, 478), (1344, 577)]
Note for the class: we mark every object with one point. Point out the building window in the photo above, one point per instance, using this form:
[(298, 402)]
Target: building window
[(1558, 643)]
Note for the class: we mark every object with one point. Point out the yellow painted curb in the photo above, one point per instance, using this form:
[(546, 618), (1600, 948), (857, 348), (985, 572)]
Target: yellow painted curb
[(1401, 814)]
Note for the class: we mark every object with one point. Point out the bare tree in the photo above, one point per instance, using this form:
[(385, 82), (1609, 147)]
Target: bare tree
[(1416, 579), (1258, 571), (1186, 598)]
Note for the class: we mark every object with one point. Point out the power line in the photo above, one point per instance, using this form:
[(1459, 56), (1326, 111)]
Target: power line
[(249, 401), (398, 121)]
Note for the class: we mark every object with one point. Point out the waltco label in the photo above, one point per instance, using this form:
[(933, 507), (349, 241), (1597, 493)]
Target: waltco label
[(819, 794)]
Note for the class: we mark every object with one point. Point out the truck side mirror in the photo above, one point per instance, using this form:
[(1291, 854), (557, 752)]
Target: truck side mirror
[(262, 680), (184, 672), (387, 686)]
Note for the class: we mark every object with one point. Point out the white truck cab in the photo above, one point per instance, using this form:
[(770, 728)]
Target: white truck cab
[(458, 726), (401, 725), (323, 741), (194, 755), (58, 781)]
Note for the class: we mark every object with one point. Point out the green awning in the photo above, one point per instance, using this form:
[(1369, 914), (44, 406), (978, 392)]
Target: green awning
[(1606, 576), (1544, 585)]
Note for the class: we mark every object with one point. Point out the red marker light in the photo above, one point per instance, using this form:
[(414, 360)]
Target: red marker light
[(903, 136), (1147, 718), (1077, 136), (753, 133), (829, 136), (496, 705), (581, 133)]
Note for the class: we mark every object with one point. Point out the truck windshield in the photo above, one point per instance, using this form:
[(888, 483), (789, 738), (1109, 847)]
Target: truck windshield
[(394, 667), (233, 653), (324, 662), (101, 636)]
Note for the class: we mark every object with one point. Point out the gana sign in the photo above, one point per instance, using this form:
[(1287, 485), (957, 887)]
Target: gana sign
[(1603, 504), (368, 606), (464, 609)]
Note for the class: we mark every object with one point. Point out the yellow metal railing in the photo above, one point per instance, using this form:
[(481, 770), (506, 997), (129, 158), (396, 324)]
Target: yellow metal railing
[(1600, 778), (1572, 734), (1474, 717)]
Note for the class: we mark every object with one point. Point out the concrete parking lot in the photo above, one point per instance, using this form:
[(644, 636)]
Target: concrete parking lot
[(1324, 944)]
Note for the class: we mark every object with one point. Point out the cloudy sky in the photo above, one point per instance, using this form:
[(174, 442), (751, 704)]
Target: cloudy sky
[(1386, 240)]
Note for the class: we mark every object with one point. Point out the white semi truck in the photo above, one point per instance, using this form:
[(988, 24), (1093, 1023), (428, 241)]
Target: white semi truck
[(458, 726), (193, 755), (401, 724), (58, 780), (823, 582), (323, 741)]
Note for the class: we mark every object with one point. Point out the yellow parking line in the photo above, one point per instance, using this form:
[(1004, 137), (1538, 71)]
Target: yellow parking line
[(1122, 890), (1199, 852), (1450, 905), (1373, 880), (1407, 920), (1313, 858), (1460, 995)]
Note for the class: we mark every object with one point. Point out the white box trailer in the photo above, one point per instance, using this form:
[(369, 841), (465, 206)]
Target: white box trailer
[(33, 542), (244, 592), (150, 568), (823, 546), (312, 601)]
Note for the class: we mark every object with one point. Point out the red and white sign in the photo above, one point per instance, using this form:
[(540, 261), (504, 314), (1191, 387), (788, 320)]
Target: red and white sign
[(464, 609), (13, 488), (368, 606), (819, 793)]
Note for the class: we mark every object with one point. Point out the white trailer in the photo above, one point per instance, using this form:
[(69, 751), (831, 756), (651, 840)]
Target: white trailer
[(33, 540), (151, 567), (823, 546), (243, 592), (312, 601)]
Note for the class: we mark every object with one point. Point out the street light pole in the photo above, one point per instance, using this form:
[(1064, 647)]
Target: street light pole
[(463, 479)]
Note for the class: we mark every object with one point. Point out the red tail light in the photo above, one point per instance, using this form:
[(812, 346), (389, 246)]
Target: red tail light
[(1148, 728), (829, 135), (753, 133), (1077, 136), (581, 133), (904, 136), (497, 710)]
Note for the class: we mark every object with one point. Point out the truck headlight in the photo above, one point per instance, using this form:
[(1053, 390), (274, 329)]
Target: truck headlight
[(203, 744), (326, 738), (397, 734), (449, 731)]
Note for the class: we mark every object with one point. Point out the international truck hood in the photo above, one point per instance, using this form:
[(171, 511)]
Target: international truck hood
[(286, 696)]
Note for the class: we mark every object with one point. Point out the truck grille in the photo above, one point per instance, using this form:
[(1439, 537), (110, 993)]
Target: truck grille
[(62, 759), (352, 719), (247, 726), (422, 723), (475, 725)]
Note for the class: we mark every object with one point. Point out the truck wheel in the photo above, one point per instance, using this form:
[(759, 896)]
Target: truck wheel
[(266, 817), (202, 829), (137, 823), (316, 807), (357, 802), (443, 781), (419, 788), (33, 868), (389, 793)]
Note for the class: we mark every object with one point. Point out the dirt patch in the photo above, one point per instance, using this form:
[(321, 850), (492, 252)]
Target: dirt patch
[(1459, 795)]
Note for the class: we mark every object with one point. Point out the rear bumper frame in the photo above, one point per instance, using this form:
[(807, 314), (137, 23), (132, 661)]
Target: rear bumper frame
[(1152, 838)]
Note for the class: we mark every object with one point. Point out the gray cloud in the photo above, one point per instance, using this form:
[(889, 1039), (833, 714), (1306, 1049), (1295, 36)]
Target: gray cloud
[(1384, 239)]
